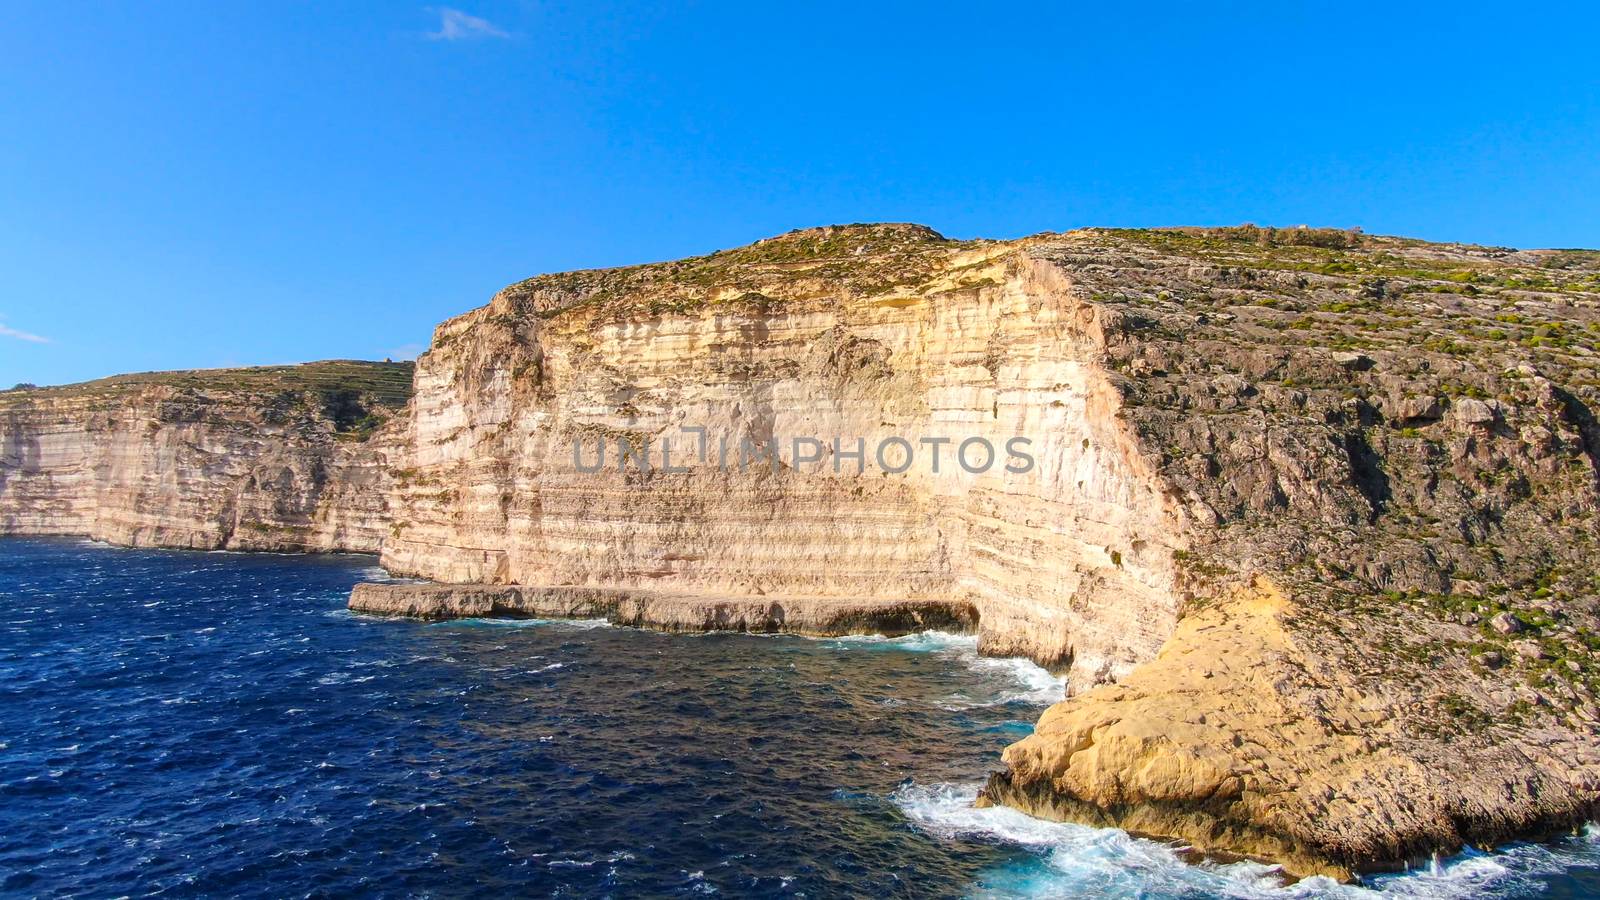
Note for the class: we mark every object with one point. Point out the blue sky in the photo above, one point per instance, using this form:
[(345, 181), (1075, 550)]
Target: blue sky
[(208, 184)]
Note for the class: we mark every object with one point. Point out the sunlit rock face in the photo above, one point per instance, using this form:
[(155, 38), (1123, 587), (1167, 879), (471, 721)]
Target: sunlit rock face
[(1307, 517), (1048, 521), (1306, 467), (287, 458)]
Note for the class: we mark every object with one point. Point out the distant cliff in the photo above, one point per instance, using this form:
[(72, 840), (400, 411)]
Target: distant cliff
[(272, 458)]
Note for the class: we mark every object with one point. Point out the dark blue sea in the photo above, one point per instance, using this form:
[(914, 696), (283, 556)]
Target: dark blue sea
[(202, 724)]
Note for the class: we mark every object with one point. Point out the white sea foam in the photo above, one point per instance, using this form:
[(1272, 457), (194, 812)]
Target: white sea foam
[(1038, 685), (382, 576), (1074, 860), (920, 642), (1034, 684)]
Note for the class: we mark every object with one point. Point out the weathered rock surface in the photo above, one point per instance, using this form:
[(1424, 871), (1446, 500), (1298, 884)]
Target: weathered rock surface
[(1285, 485), (277, 458), (862, 334), (1242, 736), (1306, 458), (1343, 692), (815, 616)]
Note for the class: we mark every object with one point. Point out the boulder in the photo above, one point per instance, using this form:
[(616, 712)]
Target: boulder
[(1469, 412), (1508, 623)]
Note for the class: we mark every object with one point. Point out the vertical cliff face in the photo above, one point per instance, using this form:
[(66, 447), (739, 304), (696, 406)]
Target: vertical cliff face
[(1388, 454), (1308, 517), (1323, 505), (288, 458), (867, 335)]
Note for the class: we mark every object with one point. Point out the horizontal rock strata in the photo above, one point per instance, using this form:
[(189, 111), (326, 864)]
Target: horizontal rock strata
[(813, 616), (861, 335), (285, 458), (1309, 523), (1395, 441)]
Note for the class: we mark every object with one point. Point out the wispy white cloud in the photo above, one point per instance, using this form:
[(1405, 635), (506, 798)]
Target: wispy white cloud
[(405, 351), (455, 25), (21, 335)]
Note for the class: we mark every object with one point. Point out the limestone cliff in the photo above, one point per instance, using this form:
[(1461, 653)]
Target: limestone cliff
[(1345, 485), (273, 458), (1308, 517), (1389, 458), (863, 335)]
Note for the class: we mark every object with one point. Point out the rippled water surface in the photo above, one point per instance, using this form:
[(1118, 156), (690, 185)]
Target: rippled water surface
[(199, 724)]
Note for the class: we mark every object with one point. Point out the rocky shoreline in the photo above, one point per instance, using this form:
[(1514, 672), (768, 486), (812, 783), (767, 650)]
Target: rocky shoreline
[(1220, 742), (665, 611), (1310, 532)]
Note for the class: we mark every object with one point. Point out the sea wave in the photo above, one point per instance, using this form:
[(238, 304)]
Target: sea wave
[(918, 642), (1068, 860), (313, 729), (1034, 683), (381, 575)]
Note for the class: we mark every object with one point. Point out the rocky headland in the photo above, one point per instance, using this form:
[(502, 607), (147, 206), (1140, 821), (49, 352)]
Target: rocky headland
[(286, 458), (1309, 522)]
